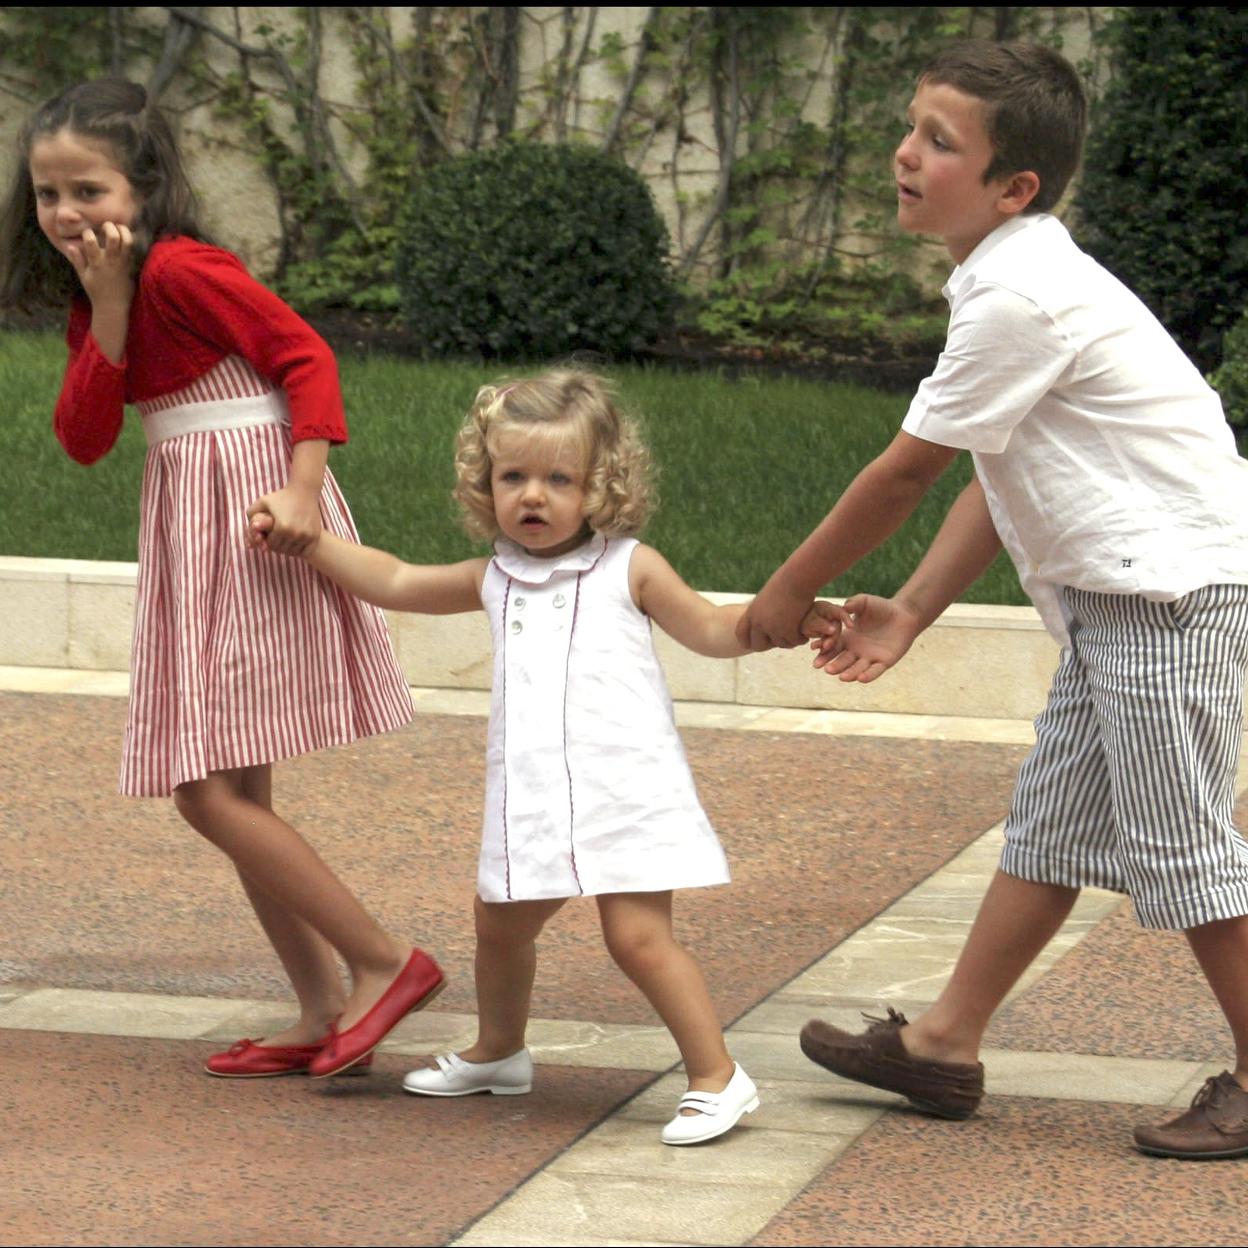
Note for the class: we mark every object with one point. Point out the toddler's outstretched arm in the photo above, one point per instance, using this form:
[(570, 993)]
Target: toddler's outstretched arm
[(381, 578), (700, 625)]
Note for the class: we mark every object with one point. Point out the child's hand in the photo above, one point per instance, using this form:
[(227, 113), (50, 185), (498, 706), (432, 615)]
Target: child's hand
[(877, 632), (824, 622), (259, 526), (288, 521), (104, 262), (774, 618)]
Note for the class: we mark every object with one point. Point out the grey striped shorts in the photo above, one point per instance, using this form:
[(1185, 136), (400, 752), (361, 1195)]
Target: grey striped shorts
[(1131, 783)]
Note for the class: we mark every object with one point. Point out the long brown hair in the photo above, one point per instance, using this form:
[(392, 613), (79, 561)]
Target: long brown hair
[(33, 274)]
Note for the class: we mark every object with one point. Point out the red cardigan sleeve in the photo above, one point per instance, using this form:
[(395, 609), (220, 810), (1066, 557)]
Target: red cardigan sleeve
[(91, 406), (203, 292)]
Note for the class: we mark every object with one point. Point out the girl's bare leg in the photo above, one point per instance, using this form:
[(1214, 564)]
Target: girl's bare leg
[(506, 963), (307, 958), (278, 862), (1016, 919), (638, 931)]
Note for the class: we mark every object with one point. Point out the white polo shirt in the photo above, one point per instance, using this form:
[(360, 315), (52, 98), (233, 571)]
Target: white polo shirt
[(1105, 457)]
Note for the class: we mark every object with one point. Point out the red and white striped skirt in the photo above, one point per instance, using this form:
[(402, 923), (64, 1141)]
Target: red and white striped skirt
[(239, 657)]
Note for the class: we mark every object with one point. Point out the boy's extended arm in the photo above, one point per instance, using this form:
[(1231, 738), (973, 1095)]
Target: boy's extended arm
[(876, 503), (883, 629)]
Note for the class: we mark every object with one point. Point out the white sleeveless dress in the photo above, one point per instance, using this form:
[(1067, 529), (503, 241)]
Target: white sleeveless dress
[(587, 786)]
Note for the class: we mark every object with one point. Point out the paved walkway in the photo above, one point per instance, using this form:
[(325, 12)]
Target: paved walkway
[(860, 847)]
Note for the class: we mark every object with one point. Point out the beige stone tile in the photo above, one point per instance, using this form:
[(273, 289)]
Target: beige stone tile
[(471, 702), (554, 1241), (748, 1155), (558, 1042), (1085, 1077), (101, 621), (64, 680), (36, 622), (116, 1013), (444, 651), (694, 677), (580, 1206)]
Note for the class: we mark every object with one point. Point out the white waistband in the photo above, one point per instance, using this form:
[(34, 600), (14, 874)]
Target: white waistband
[(173, 422)]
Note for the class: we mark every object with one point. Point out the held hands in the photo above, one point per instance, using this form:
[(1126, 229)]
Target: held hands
[(104, 264), (288, 521), (776, 618), (876, 633)]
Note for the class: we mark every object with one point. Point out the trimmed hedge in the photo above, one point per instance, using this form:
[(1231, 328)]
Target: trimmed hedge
[(1231, 378), (1165, 183), (533, 251)]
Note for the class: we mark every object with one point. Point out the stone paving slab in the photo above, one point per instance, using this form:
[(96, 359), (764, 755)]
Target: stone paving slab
[(108, 893), (120, 1142), (1020, 1172)]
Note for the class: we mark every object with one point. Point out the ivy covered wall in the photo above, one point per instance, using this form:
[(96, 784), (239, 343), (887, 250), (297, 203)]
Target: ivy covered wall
[(764, 132)]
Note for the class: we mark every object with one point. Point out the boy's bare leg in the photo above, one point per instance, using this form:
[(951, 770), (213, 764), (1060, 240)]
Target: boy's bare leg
[(1016, 919), (1221, 948)]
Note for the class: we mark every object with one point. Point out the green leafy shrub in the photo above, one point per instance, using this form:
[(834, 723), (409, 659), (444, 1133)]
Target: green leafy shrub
[(1231, 378), (1162, 195), (532, 251)]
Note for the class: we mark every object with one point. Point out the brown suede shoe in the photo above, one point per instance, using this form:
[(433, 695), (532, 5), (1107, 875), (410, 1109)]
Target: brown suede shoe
[(1215, 1126), (878, 1058)]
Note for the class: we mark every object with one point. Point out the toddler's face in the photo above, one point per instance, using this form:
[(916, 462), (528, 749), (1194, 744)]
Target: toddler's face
[(78, 185), (538, 483), (940, 166)]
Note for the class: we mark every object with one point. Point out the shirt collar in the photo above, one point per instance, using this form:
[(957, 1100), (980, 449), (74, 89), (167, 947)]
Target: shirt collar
[(517, 563), (963, 277)]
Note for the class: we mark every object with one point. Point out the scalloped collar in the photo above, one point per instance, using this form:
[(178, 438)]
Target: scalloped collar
[(517, 563)]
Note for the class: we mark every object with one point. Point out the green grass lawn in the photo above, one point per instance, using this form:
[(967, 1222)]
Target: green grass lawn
[(747, 468)]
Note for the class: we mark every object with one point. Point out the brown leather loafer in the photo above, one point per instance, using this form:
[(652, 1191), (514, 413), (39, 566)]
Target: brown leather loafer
[(1215, 1126), (878, 1058)]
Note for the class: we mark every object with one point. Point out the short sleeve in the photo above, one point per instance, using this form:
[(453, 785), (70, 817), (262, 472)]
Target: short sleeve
[(1002, 355)]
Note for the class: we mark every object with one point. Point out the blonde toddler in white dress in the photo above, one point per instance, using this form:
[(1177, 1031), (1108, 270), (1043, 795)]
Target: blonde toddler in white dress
[(588, 791)]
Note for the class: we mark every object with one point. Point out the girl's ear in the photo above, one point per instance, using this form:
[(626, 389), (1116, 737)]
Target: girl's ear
[(1018, 190)]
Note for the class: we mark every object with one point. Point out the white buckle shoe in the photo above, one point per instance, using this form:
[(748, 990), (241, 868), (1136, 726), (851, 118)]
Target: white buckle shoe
[(717, 1111), (510, 1076)]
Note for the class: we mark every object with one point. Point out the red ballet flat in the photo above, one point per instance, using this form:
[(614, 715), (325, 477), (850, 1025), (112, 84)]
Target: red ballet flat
[(248, 1060), (417, 984)]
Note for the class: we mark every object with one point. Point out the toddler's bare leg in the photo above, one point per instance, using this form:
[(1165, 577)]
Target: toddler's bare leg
[(1221, 948), (278, 862), (638, 931), (1016, 919), (506, 962)]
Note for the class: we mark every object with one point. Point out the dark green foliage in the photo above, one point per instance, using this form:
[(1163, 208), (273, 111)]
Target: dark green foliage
[(531, 251), (1231, 379), (1166, 180)]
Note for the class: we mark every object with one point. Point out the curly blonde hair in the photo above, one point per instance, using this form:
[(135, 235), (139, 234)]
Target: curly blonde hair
[(562, 404)]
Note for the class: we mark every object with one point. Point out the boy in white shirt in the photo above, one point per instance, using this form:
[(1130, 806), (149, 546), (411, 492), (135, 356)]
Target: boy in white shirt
[(1104, 465)]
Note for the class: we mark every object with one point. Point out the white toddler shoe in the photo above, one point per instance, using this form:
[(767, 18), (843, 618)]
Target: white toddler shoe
[(717, 1111), (511, 1076)]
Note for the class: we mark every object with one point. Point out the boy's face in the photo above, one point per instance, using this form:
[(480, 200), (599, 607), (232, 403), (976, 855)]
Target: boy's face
[(940, 166)]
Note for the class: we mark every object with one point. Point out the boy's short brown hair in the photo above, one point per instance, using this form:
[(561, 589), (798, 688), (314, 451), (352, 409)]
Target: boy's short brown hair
[(1035, 109)]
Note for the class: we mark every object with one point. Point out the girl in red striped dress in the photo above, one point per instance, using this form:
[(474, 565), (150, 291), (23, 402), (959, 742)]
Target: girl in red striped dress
[(237, 660)]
